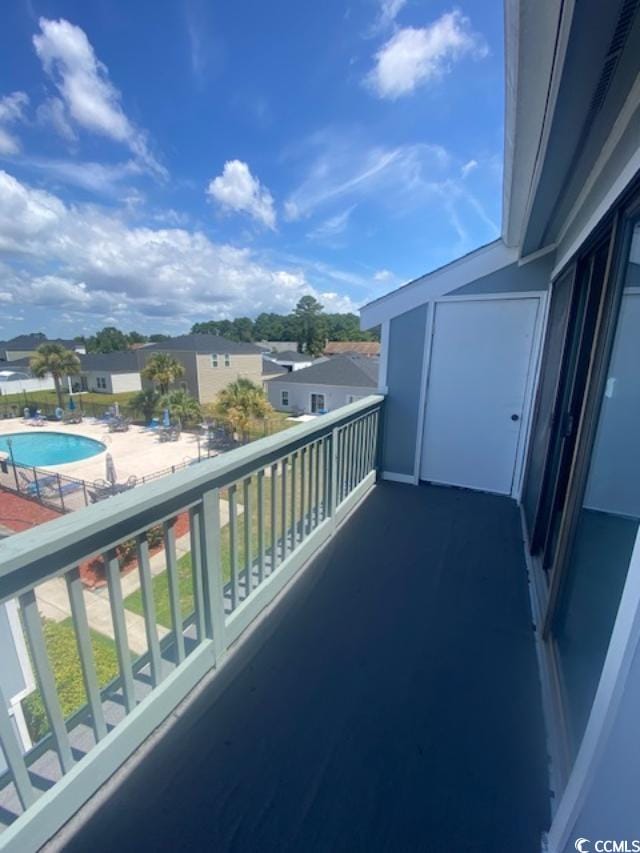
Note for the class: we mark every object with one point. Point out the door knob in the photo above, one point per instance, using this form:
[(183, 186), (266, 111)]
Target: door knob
[(515, 417)]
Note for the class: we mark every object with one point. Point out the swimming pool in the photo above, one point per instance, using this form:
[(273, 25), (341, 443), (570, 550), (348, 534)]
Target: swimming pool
[(43, 449)]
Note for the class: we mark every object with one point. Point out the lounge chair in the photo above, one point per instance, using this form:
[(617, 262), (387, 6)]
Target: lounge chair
[(119, 425)]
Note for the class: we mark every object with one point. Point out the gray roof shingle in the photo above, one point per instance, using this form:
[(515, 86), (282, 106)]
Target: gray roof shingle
[(349, 371), (204, 344), (121, 361)]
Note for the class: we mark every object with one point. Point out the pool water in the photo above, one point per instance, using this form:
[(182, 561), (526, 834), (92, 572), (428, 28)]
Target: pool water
[(43, 449)]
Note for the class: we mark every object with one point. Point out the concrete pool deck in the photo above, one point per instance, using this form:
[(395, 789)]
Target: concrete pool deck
[(138, 452)]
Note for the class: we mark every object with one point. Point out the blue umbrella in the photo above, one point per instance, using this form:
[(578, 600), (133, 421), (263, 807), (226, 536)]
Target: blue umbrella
[(72, 404), (165, 418)]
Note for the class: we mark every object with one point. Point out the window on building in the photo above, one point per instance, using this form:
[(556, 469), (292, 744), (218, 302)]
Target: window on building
[(214, 359), (284, 398), (227, 360), (101, 383)]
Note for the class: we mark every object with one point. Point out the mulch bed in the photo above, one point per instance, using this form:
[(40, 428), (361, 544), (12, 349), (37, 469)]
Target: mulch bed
[(92, 572), (19, 514)]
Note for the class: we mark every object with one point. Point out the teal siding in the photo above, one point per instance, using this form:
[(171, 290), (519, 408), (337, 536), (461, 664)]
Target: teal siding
[(404, 379)]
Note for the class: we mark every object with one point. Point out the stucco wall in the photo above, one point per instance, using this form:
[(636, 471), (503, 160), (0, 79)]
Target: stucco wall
[(211, 380), (300, 395)]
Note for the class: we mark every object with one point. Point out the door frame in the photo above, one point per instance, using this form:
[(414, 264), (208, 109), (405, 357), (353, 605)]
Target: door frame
[(313, 394), (533, 372)]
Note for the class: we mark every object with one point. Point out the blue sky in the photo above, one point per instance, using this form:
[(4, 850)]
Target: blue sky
[(168, 162)]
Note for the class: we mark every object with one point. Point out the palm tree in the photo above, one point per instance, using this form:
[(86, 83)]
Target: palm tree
[(183, 406), (241, 401), (54, 360), (163, 369), (146, 402)]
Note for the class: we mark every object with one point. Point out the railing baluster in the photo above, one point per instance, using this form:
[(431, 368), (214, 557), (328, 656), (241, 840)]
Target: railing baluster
[(361, 449), (274, 516), (213, 581), (169, 531), (312, 452), (319, 446), (261, 539), (13, 756), (196, 571), (120, 629), (46, 681), (149, 609), (326, 474), (283, 511), (303, 491), (294, 499), (248, 558), (83, 638), (233, 543), (352, 457), (334, 462)]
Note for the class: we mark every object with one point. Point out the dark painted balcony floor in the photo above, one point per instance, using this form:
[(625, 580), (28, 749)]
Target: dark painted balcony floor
[(395, 707)]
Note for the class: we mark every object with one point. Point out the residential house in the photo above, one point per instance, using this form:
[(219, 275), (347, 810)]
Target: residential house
[(269, 347), (16, 377), (324, 386), (437, 646), (270, 369), (24, 346), (368, 349), (210, 362), (109, 372), (291, 360)]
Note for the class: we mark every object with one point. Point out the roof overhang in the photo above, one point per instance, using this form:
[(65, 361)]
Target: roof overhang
[(477, 264)]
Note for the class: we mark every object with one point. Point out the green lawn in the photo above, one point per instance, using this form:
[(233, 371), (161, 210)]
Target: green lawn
[(160, 583), (61, 646), (49, 398)]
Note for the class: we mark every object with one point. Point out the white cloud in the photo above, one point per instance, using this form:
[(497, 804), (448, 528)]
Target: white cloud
[(96, 177), (90, 98), (345, 169), (12, 109), (333, 227), (236, 189), (389, 10), (468, 167), (91, 261), (383, 275), (52, 113), (413, 57)]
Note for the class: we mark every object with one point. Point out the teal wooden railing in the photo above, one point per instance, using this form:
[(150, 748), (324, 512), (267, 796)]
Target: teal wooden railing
[(255, 515)]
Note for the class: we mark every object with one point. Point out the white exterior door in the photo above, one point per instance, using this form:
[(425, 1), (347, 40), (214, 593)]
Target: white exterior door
[(479, 372)]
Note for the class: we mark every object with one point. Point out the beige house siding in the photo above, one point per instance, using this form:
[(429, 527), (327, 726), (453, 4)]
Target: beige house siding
[(211, 380), (188, 361)]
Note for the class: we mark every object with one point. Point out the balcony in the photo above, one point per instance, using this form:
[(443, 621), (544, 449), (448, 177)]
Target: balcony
[(386, 697)]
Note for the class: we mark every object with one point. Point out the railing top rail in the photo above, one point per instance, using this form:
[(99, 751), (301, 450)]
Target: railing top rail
[(32, 556)]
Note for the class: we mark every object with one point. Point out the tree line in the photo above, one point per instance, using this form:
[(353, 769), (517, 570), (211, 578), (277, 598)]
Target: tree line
[(308, 325)]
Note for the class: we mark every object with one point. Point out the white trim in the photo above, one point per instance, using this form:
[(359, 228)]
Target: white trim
[(563, 32), (623, 647), (398, 478), (385, 333), (477, 264), (538, 596), (424, 384), (21, 724), (531, 387), (534, 256), (485, 297)]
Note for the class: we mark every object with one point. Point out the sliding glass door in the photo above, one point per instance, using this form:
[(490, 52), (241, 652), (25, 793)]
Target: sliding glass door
[(606, 518)]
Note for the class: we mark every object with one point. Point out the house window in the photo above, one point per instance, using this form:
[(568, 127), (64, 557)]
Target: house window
[(284, 398), (227, 360), (101, 383), (214, 359)]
